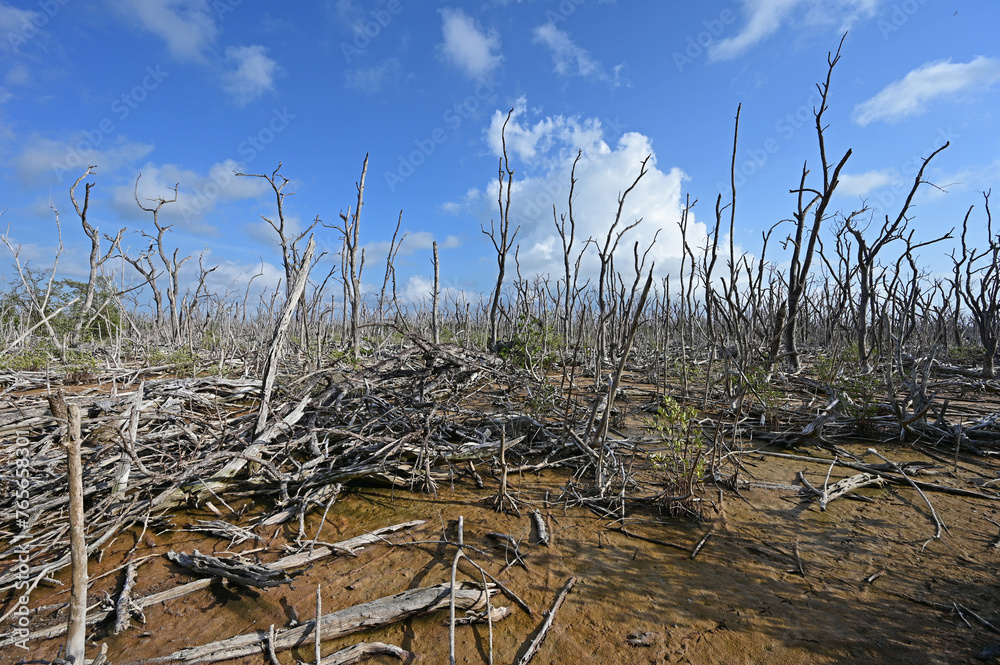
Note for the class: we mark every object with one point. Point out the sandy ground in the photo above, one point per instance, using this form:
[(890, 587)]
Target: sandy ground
[(778, 581)]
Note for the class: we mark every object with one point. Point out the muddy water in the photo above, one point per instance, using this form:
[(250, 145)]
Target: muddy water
[(778, 581)]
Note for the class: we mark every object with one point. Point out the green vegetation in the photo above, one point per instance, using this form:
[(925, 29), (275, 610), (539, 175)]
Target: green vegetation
[(680, 463), (102, 322)]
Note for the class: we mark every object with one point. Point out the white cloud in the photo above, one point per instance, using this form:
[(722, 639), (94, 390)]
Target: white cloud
[(187, 27), (48, 161), (568, 57), (253, 76), (863, 183), (412, 242), (910, 95), (14, 24), (466, 46), (603, 173), (197, 195), (529, 142), (418, 290), (765, 17), (376, 78)]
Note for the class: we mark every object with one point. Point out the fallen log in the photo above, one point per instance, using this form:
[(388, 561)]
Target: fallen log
[(374, 614), (294, 561)]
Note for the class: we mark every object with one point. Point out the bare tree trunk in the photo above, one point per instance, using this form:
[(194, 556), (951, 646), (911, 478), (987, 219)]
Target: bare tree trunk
[(804, 244), (291, 302), (505, 241), (435, 324), (76, 632), (352, 267)]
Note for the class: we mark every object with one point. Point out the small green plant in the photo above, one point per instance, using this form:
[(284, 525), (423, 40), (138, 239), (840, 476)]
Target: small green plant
[(857, 391), (181, 358), (758, 382), (81, 366), (532, 346), (680, 462), (966, 354), (30, 360)]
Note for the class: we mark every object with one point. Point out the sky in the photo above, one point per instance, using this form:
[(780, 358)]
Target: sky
[(188, 92)]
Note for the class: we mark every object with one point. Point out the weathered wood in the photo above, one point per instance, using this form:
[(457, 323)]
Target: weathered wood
[(293, 561), (76, 634), (848, 485), (374, 614), (359, 652), (244, 574), (547, 624), (124, 606)]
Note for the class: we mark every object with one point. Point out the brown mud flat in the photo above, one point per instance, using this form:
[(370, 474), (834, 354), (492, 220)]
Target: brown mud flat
[(778, 580)]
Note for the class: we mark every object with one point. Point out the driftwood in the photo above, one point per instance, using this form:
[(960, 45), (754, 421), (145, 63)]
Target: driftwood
[(244, 574), (377, 613), (359, 652), (536, 643), (287, 563)]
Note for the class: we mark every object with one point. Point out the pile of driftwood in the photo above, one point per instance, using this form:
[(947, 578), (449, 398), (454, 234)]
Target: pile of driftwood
[(163, 444), (170, 443)]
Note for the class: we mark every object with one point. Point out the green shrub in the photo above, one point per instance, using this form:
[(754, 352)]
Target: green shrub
[(680, 463)]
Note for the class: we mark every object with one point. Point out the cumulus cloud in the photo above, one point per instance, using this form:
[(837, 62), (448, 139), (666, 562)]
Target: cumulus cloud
[(253, 75), (187, 27), (542, 151), (911, 94), (467, 46)]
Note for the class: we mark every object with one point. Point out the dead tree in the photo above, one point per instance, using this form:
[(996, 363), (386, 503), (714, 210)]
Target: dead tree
[(352, 266), (39, 301), (171, 264), (568, 238), (435, 296), (814, 209), (605, 254), (867, 254), (96, 260), (981, 288), (300, 277), (289, 244), (501, 237)]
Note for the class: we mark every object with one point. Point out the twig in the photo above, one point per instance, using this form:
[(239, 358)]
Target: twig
[(537, 642), (937, 520), (701, 543)]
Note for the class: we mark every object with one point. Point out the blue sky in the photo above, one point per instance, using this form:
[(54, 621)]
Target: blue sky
[(189, 91)]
